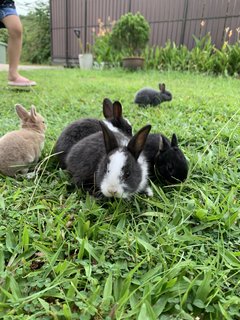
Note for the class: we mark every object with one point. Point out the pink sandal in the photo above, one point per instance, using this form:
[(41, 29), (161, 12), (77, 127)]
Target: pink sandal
[(22, 82)]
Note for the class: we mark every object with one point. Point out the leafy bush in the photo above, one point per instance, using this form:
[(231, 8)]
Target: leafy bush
[(204, 57), (4, 36), (37, 42), (220, 60), (130, 34), (103, 51), (233, 66), (200, 54)]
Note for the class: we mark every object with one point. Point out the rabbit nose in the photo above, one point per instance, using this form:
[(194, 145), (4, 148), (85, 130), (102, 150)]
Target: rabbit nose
[(112, 192)]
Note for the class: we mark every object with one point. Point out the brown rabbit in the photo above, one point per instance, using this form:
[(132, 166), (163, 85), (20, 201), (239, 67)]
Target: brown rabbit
[(21, 148)]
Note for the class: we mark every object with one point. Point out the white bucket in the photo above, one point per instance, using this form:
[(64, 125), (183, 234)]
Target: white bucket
[(85, 61)]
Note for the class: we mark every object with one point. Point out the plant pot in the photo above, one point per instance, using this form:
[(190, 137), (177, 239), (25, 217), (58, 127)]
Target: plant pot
[(85, 61), (133, 63)]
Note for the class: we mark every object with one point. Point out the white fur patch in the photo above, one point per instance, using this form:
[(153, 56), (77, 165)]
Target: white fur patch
[(111, 184), (160, 143), (110, 126), (123, 141), (128, 122), (144, 182)]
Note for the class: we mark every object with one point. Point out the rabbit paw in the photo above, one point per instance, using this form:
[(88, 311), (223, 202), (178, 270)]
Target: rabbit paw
[(149, 192), (30, 175)]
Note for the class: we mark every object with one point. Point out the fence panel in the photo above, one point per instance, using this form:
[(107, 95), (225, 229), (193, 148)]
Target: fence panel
[(233, 20), (172, 20)]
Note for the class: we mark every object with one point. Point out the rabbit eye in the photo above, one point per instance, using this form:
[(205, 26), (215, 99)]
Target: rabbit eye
[(170, 168), (126, 174), (129, 131)]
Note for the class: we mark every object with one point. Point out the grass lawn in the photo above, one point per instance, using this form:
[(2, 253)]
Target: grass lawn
[(65, 255)]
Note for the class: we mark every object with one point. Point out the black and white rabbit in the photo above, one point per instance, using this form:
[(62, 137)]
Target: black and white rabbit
[(111, 163), (166, 160), (152, 97), (82, 128)]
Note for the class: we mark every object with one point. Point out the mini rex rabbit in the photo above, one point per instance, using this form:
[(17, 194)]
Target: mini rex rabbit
[(110, 162), (82, 128), (166, 160), (21, 148), (148, 96)]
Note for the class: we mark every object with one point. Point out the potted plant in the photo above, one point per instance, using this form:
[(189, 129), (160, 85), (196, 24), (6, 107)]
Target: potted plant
[(130, 35), (85, 57)]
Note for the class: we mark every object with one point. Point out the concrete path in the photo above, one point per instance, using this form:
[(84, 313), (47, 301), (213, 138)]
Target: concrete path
[(4, 67)]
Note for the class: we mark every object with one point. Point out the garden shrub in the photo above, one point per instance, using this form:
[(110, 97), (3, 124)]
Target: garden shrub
[(130, 34), (219, 60), (37, 40), (204, 57), (102, 49), (4, 36), (200, 55), (233, 66)]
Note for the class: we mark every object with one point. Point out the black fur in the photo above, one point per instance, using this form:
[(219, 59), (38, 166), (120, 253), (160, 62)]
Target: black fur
[(83, 159), (82, 128), (166, 161), (149, 96), (73, 133), (153, 144), (88, 158)]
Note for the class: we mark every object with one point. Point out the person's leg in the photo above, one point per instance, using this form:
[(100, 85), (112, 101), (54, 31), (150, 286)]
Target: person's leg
[(14, 26)]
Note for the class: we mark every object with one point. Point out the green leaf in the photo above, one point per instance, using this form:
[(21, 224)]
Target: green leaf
[(205, 286), (143, 315), (67, 312), (146, 312), (10, 240), (231, 259), (147, 246), (15, 288), (45, 305), (25, 238), (2, 203), (107, 292), (2, 261), (225, 314)]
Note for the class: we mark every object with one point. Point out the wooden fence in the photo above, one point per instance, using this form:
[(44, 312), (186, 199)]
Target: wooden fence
[(174, 20)]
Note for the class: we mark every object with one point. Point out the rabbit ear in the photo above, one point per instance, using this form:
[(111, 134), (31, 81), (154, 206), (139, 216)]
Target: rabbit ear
[(22, 112), (117, 110), (109, 139), (33, 113), (136, 144), (162, 87), (174, 141), (165, 144), (107, 108)]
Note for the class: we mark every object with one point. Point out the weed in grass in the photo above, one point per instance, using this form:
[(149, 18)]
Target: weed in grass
[(66, 255)]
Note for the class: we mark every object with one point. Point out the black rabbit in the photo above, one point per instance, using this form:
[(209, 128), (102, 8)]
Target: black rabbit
[(110, 163), (149, 96), (82, 128), (166, 161)]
